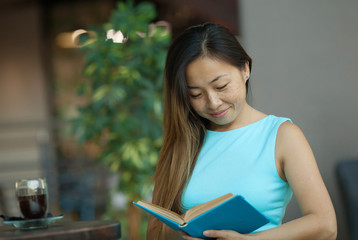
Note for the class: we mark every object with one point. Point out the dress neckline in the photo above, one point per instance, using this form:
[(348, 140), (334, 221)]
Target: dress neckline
[(240, 128)]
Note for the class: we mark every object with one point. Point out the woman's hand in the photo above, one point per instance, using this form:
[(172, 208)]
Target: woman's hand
[(219, 235)]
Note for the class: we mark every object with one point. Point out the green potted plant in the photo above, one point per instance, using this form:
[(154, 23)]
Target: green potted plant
[(123, 86)]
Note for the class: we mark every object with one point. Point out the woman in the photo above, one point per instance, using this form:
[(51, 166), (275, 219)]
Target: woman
[(214, 142)]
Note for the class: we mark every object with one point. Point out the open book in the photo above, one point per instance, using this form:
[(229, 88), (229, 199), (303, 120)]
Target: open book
[(228, 212)]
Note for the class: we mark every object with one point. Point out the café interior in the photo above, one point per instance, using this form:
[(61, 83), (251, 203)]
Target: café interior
[(41, 66)]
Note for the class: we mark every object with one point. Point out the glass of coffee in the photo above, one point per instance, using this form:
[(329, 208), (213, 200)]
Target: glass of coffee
[(32, 197)]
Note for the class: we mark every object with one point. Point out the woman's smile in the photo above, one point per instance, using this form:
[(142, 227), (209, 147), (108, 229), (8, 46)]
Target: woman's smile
[(219, 114)]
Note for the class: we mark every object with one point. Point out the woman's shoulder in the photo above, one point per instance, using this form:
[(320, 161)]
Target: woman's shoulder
[(290, 138), (288, 129)]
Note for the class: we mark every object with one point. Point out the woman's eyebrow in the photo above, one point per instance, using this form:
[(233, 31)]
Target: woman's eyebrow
[(211, 82)]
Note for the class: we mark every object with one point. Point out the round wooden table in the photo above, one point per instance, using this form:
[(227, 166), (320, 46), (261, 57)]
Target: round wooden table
[(63, 230)]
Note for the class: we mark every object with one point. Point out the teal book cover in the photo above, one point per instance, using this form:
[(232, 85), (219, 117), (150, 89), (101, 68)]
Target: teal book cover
[(232, 212)]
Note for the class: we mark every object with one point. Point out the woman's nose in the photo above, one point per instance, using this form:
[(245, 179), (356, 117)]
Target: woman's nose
[(214, 101)]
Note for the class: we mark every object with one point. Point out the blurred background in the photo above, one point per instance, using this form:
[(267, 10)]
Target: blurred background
[(305, 59)]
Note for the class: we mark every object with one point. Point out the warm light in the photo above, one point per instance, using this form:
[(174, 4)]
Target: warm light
[(153, 27), (71, 39), (117, 37), (163, 24), (76, 34), (64, 40)]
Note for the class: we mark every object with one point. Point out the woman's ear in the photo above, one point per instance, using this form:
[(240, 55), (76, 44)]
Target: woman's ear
[(247, 70)]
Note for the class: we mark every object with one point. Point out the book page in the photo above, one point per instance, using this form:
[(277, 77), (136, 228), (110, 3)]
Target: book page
[(201, 208), (162, 211)]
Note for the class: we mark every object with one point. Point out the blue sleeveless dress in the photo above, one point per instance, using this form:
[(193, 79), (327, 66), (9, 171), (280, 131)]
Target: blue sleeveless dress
[(241, 161)]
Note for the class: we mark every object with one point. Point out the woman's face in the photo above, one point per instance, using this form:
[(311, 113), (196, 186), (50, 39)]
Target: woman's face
[(217, 91)]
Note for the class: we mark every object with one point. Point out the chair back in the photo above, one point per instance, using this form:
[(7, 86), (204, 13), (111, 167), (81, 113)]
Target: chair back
[(347, 177)]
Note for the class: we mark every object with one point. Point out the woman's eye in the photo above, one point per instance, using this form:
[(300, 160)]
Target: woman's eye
[(222, 87), (195, 95)]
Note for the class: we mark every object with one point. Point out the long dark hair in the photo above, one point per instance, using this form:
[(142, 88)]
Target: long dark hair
[(184, 130)]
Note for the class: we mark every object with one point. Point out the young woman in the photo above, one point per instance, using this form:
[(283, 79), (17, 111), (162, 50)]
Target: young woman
[(214, 143)]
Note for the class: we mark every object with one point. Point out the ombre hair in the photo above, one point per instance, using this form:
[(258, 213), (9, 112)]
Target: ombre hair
[(183, 129)]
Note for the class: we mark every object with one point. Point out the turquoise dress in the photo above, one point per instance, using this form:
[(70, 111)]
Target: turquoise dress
[(241, 161)]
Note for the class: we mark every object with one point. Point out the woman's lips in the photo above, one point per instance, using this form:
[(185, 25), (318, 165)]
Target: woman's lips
[(219, 114)]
